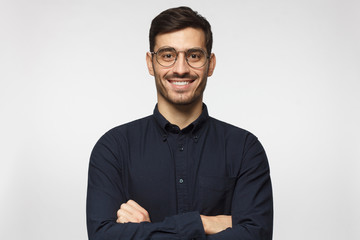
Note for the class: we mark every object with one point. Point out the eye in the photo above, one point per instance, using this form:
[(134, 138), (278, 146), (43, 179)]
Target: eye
[(194, 55), (167, 54)]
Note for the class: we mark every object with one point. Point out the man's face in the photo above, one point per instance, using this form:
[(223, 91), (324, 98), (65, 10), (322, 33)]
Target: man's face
[(180, 84)]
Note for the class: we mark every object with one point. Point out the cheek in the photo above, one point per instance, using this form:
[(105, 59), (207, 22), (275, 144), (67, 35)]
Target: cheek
[(203, 75), (157, 74), (162, 74), (159, 78)]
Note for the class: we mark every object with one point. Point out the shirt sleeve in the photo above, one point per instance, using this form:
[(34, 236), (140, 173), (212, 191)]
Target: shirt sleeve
[(252, 204), (105, 194)]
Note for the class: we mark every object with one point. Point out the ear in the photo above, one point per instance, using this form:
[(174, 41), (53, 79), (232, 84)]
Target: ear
[(149, 63), (212, 64)]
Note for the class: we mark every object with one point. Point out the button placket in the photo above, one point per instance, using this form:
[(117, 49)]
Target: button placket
[(181, 166)]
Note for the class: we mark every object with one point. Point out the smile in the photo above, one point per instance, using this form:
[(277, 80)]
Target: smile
[(180, 83)]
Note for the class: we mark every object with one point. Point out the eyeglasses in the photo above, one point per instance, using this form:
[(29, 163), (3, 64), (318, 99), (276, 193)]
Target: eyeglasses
[(167, 56)]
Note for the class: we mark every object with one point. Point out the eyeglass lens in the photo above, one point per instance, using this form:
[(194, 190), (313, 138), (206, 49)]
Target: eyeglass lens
[(195, 57)]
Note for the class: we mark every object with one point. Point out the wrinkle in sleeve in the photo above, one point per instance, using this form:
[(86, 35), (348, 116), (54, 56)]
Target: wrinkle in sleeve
[(252, 204), (106, 193)]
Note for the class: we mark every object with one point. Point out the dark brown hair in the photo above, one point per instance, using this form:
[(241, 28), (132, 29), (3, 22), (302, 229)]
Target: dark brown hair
[(176, 19)]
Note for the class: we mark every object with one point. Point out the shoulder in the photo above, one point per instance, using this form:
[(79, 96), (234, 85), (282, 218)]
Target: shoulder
[(135, 125), (230, 130), (235, 138), (238, 142), (120, 133)]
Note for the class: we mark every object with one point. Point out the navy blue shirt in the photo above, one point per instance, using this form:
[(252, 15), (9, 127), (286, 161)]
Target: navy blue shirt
[(209, 167)]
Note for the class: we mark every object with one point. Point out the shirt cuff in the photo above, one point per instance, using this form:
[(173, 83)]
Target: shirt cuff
[(190, 225)]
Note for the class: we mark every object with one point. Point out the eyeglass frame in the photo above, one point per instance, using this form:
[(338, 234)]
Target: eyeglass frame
[(177, 55)]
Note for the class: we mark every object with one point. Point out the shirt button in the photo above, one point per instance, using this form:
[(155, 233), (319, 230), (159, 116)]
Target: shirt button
[(181, 180), (181, 148)]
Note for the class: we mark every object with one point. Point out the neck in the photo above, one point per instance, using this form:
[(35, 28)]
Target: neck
[(180, 115)]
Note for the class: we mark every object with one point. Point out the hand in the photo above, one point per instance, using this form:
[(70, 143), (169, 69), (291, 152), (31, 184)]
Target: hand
[(215, 224), (132, 212)]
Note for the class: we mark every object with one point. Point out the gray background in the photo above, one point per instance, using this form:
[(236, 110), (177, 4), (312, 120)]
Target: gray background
[(288, 71)]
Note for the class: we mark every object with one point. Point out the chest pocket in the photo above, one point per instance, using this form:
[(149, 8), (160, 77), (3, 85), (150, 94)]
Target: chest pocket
[(215, 194)]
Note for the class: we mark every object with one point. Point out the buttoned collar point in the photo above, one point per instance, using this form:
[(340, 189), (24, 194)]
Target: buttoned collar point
[(193, 128)]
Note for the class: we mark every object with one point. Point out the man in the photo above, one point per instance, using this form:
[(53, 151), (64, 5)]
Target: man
[(179, 174)]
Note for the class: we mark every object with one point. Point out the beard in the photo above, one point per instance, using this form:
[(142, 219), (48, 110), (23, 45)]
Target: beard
[(180, 97)]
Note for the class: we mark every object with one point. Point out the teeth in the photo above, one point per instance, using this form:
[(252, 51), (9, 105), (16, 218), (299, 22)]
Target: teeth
[(180, 83)]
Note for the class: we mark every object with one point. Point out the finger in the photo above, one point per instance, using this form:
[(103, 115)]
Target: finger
[(134, 212), (118, 213), (124, 216), (135, 205), (121, 220), (128, 208), (140, 213)]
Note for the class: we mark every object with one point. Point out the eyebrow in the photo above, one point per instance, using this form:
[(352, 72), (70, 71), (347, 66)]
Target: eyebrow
[(172, 48), (166, 48)]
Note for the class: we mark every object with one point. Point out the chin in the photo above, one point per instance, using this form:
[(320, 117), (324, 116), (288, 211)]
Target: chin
[(185, 102)]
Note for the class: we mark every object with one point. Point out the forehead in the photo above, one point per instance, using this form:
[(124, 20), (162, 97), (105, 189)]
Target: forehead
[(181, 39)]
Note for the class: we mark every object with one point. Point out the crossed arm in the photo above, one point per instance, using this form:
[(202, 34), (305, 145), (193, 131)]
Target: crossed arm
[(132, 212), (251, 207)]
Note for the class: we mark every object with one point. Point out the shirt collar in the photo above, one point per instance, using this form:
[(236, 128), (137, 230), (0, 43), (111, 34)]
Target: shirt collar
[(194, 126)]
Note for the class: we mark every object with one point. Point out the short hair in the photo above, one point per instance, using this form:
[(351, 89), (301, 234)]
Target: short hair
[(179, 18)]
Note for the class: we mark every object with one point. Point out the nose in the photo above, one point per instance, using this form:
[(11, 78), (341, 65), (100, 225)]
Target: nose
[(181, 67)]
